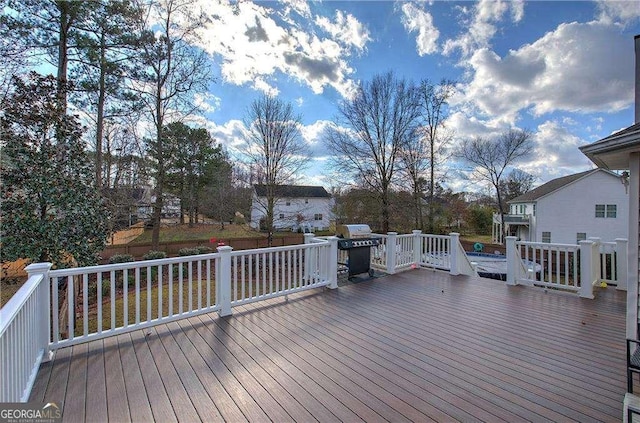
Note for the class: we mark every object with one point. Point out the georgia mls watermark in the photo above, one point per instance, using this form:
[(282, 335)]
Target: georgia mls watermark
[(30, 412)]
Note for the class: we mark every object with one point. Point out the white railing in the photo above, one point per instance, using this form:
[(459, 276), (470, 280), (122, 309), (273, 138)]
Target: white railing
[(24, 335), (400, 252), (271, 272), (379, 253), (575, 268), (549, 265), (99, 301), (435, 251)]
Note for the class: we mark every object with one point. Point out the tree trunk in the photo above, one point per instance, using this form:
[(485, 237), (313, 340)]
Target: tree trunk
[(100, 110), (385, 211)]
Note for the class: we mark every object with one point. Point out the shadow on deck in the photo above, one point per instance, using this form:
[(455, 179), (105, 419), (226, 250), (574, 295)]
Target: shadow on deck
[(416, 346)]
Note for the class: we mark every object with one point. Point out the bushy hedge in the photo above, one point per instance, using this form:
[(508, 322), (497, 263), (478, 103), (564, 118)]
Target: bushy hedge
[(121, 258), (153, 255), (188, 251)]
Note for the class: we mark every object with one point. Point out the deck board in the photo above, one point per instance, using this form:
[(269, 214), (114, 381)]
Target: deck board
[(416, 346)]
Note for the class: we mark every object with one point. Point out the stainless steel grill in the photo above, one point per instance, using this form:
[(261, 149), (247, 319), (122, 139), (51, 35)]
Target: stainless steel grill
[(357, 241)]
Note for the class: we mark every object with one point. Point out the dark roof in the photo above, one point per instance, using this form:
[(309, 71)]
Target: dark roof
[(294, 191), (549, 187)]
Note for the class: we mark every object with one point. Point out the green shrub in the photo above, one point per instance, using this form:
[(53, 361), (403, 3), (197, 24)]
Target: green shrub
[(121, 258), (188, 251), (203, 249), (106, 288), (153, 255)]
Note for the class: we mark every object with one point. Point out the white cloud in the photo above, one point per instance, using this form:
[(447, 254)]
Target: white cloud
[(256, 42), (578, 67), (482, 25), (418, 20), (556, 153), (345, 28), (618, 11), (207, 102)]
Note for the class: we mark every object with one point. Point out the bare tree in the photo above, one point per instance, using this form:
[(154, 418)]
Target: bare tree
[(517, 183), (425, 153), (275, 149), (491, 157), (379, 120), (171, 71)]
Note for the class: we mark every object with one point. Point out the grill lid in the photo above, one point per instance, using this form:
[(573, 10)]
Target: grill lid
[(353, 231)]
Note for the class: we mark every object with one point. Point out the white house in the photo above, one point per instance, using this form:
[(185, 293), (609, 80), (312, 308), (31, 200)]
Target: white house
[(296, 207), (621, 151), (570, 209)]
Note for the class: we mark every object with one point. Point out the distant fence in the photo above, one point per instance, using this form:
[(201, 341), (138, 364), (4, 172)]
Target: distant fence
[(172, 248)]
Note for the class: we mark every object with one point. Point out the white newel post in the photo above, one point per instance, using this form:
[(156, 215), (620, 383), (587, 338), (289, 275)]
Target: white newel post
[(512, 260), (223, 284), (308, 239), (45, 304), (417, 247), (454, 241), (621, 263), (391, 252), (332, 264), (587, 277), (597, 263)]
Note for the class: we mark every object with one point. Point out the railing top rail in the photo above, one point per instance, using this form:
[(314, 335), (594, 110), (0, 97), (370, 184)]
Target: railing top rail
[(547, 245), (130, 265), (281, 248), (9, 311)]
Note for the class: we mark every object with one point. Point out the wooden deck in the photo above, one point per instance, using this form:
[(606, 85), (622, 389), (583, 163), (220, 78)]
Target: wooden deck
[(417, 346)]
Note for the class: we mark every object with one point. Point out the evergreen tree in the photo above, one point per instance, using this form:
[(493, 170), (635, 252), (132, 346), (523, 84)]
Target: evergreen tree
[(50, 209)]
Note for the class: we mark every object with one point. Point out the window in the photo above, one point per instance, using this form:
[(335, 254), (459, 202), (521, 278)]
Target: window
[(580, 236), (288, 203), (281, 215), (317, 216), (513, 209), (522, 208), (306, 201), (546, 237), (534, 209), (607, 210)]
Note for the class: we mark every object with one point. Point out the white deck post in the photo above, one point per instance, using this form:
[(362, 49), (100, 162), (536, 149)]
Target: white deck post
[(417, 247), (621, 263), (308, 239), (512, 260), (454, 241), (45, 320), (597, 263), (587, 277), (223, 285), (332, 262), (391, 252)]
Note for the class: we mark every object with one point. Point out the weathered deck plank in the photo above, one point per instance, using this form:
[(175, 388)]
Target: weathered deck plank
[(416, 346)]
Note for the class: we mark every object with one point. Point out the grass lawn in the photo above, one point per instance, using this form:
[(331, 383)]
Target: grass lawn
[(485, 239), (201, 232)]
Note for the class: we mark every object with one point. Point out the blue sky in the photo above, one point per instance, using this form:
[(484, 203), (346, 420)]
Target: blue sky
[(564, 70)]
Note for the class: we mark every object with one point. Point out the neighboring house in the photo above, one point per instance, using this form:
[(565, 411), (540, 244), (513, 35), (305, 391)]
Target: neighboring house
[(297, 207), (621, 151), (170, 204), (570, 209)]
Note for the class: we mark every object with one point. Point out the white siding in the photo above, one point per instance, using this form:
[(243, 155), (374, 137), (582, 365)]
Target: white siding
[(296, 212), (571, 209)]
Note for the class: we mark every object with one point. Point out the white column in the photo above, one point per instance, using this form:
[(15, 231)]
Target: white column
[(391, 252), (223, 283), (632, 248), (587, 249), (454, 242), (597, 262), (512, 260), (44, 313), (332, 262), (621, 263), (417, 247)]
